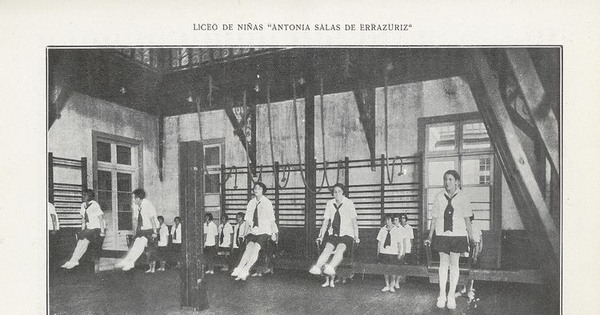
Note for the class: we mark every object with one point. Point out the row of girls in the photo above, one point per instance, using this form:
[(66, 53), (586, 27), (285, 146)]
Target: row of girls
[(451, 225), (152, 236)]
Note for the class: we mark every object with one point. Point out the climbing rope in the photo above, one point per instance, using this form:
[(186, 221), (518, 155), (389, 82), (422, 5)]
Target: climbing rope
[(244, 126), (205, 170), (284, 178), (325, 178), (298, 146), (390, 178)]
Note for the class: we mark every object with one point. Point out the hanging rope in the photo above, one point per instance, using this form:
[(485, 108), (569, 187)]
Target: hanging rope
[(298, 143), (244, 126), (260, 172), (325, 178), (197, 101), (285, 178), (270, 127), (390, 178), (387, 167), (271, 138), (205, 170), (339, 168), (234, 168)]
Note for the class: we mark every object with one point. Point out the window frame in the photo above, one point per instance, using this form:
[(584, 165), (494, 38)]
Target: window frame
[(214, 169), (136, 167), (460, 154)]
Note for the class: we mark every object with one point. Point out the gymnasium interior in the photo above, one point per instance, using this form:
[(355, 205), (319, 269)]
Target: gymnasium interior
[(196, 126)]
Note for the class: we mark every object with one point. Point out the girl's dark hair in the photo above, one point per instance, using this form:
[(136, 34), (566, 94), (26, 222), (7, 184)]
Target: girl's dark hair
[(209, 216), (160, 217), (263, 186), (453, 173), (140, 193), (90, 194), (403, 216), (341, 186)]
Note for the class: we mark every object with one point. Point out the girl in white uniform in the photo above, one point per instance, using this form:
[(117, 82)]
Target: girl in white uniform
[(451, 211), (340, 211), (146, 226), (176, 237), (261, 224), (388, 243), (92, 227), (225, 240), (163, 241), (210, 242)]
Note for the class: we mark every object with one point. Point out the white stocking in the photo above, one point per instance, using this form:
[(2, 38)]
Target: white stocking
[(80, 250)]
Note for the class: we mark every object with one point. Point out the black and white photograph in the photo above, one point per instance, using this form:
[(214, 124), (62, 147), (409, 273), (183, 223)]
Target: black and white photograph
[(299, 157), (304, 180)]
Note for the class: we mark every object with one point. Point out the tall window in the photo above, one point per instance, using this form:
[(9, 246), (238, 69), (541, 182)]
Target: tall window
[(212, 159), (117, 173), (465, 147)]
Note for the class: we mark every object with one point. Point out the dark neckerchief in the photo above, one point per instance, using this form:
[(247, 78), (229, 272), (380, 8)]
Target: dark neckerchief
[(388, 238), (255, 216), (337, 220), (448, 213)]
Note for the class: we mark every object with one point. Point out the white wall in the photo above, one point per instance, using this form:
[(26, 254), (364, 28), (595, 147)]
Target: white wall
[(71, 137)]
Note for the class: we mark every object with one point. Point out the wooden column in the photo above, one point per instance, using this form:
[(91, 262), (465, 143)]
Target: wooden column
[(517, 170), (191, 206), (535, 97)]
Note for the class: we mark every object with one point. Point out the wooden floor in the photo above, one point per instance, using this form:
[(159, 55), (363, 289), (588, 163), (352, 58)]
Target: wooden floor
[(286, 292)]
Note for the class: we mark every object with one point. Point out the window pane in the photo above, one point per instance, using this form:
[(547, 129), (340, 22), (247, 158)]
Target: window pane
[(104, 180), (105, 201), (212, 156), (441, 138), (476, 171), (124, 208), (124, 182), (103, 151), (475, 136), (436, 170), (480, 198), (125, 221), (123, 155), (211, 183), (124, 200)]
